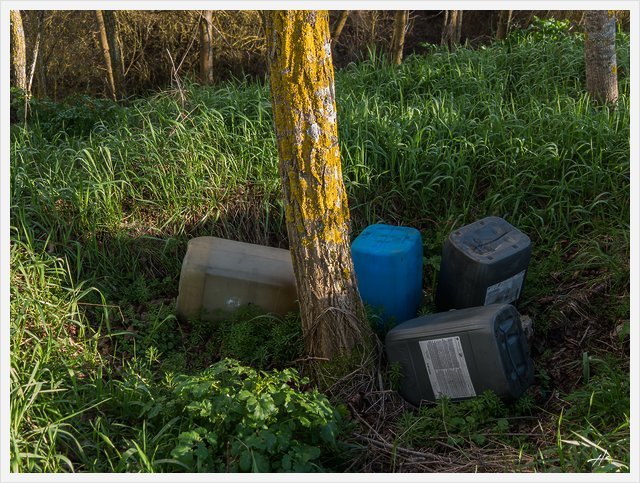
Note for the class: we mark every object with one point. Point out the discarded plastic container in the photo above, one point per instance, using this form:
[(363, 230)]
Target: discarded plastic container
[(388, 264), (461, 353), (221, 275), (482, 263)]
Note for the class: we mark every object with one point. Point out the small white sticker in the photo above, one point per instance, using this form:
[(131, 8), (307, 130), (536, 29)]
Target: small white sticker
[(233, 303), (506, 291), (447, 368)]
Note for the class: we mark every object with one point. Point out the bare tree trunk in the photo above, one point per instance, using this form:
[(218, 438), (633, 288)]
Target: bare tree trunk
[(451, 29), (504, 24), (34, 61), (111, 52), (42, 79), (206, 47), (117, 64), (18, 50), (445, 27), (458, 28), (600, 56), (373, 28), (397, 42), (42, 59), (317, 215), (337, 29)]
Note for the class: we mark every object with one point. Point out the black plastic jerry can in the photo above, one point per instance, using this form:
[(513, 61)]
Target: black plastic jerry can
[(461, 353), (483, 263)]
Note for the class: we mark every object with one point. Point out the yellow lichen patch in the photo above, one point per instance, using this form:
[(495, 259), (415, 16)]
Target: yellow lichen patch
[(614, 69), (304, 110)]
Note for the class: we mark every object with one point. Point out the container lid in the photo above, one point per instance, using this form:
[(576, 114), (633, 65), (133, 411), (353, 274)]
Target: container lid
[(489, 240), (381, 238)]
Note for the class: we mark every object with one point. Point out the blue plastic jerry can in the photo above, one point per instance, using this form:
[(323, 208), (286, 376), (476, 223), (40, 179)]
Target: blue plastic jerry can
[(388, 265)]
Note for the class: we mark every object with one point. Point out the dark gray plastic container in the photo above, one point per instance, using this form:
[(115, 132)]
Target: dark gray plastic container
[(483, 263), (461, 353)]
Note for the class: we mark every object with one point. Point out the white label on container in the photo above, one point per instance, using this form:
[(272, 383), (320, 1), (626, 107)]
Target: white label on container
[(447, 367), (506, 291)]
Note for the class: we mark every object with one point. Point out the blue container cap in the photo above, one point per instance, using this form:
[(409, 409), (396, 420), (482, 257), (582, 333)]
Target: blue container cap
[(386, 240)]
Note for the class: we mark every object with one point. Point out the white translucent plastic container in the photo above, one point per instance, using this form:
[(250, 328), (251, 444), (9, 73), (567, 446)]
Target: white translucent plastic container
[(219, 275)]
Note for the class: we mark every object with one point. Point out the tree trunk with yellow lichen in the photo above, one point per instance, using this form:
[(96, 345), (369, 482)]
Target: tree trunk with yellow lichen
[(317, 215), (600, 55)]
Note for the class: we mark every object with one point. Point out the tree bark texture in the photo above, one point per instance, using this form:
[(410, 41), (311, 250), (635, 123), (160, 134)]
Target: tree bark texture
[(451, 29), (504, 24), (111, 51), (317, 214), (337, 29), (397, 42), (206, 47), (18, 51), (600, 56)]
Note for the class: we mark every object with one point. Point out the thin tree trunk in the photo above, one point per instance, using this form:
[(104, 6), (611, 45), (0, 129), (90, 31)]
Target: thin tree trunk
[(40, 75), (600, 56), (337, 29), (397, 42), (451, 29), (373, 22), (18, 51), (42, 78), (111, 51), (117, 64), (206, 47), (445, 28), (317, 215), (458, 28), (36, 55), (504, 24), (104, 43)]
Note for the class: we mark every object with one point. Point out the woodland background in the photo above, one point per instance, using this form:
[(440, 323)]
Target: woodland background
[(159, 48)]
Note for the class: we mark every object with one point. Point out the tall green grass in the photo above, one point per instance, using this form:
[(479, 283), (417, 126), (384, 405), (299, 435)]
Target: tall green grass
[(104, 198)]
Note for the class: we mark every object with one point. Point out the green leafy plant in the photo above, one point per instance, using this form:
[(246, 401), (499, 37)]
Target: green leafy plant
[(474, 420), (545, 29), (254, 337), (245, 420)]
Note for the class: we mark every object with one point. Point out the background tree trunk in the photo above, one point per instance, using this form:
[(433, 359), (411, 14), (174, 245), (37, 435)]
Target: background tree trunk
[(457, 31), (18, 51), (504, 24), (397, 42), (337, 29), (600, 56), (317, 215), (451, 29), (206, 47), (111, 51), (115, 51)]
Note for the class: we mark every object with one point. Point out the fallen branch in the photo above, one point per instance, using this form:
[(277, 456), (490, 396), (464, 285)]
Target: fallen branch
[(398, 449)]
